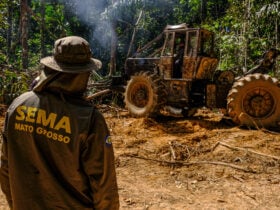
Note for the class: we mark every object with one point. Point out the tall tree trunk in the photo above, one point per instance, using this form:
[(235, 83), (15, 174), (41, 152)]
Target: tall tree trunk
[(244, 35), (42, 29), (203, 10), (276, 32), (24, 32), (276, 43), (113, 46), (113, 50), (9, 31), (134, 33)]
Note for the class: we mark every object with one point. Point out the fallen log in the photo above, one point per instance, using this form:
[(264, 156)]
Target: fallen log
[(245, 150), (183, 163), (102, 92)]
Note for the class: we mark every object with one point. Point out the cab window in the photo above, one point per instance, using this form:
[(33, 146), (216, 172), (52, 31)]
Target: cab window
[(192, 43), (168, 45)]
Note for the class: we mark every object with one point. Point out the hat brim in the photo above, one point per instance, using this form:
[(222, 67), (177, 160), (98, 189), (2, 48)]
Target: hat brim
[(92, 65)]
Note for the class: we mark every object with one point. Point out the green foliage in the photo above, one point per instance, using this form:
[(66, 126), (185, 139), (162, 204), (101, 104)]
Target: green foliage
[(244, 29), (12, 84), (245, 32), (3, 23)]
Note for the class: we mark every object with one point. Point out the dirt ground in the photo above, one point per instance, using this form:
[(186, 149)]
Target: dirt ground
[(204, 162)]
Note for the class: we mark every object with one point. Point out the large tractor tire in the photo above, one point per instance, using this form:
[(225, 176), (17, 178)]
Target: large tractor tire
[(254, 101), (144, 95)]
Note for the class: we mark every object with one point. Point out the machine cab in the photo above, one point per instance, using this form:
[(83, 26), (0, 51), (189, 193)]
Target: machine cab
[(188, 53)]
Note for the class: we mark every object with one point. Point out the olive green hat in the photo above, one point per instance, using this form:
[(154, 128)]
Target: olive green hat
[(71, 54)]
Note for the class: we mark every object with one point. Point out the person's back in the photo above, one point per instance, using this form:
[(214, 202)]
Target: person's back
[(57, 152)]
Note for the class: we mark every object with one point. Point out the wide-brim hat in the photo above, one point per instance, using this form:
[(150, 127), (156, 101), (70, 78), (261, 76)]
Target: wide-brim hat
[(72, 54), (92, 65)]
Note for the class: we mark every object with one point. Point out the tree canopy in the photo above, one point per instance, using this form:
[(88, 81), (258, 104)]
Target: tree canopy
[(244, 29)]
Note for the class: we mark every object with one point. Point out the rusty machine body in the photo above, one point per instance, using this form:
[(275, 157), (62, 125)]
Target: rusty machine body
[(182, 75)]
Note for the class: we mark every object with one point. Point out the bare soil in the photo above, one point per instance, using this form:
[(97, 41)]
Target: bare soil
[(203, 162)]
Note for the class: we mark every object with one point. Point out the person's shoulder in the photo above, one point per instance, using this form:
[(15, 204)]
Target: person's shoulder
[(24, 96), (21, 99), (80, 103), (97, 114)]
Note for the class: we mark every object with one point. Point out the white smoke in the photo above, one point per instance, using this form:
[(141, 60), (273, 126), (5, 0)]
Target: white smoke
[(90, 12), (102, 14)]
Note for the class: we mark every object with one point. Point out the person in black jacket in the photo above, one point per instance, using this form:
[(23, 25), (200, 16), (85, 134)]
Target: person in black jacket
[(57, 152)]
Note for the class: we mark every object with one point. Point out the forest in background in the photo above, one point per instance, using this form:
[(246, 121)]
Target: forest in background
[(244, 30)]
